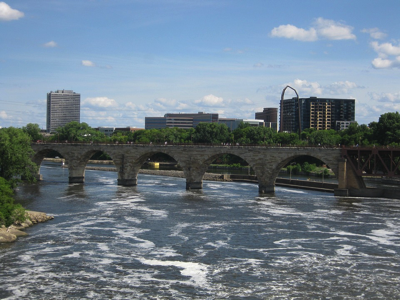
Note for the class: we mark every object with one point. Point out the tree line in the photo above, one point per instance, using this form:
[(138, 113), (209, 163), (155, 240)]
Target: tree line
[(384, 132)]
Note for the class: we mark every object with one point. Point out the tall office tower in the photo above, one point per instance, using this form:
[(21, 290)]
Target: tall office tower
[(318, 113), (63, 106)]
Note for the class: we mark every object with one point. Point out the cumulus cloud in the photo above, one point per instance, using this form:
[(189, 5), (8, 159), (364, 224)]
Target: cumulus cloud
[(341, 87), (258, 65), (374, 33), (388, 55), (3, 115), (385, 48), (305, 87), (9, 14), (321, 29), (50, 44), (292, 32), (210, 100), (385, 97), (130, 105), (88, 63), (100, 102)]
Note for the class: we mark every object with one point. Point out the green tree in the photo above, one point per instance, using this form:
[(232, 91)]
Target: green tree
[(213, 133), (9, 211), (387, 130), (15, 156), (33, 130), (324, 137), (78, 132)]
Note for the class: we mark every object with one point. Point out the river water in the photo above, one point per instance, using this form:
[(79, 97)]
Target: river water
[(159, 241)]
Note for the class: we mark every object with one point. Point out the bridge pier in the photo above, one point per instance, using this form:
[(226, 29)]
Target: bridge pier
[(266, 189), (76, 179), (194, 185), (127, 182)]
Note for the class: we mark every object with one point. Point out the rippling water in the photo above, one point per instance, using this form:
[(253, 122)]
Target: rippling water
[(159, 241)]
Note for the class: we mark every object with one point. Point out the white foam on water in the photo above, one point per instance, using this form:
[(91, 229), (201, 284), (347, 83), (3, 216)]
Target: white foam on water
[(345, 250), (196, 271), (385, 237), (74, 254), (133, 220)]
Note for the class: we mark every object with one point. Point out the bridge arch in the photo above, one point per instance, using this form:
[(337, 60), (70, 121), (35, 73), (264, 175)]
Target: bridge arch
[(131, 164), (77, 166)]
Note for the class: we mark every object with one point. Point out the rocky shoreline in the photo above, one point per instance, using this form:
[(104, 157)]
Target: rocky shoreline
[(11, 233)]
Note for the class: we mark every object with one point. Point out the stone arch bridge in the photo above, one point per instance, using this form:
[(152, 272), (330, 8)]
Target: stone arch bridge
[(193, 159)]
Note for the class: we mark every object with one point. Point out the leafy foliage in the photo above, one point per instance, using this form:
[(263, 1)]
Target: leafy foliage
[(15, 156)]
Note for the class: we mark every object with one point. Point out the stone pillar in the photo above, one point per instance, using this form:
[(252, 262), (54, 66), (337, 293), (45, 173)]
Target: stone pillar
[(266, 189), (342, 175), (194, 185), (76, 179), (127, 182)]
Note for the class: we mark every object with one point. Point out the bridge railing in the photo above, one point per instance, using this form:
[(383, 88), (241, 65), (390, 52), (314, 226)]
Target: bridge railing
[(191, 144)]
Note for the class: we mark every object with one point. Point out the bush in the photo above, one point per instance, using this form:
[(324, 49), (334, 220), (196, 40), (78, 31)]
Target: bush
[(9, 212)]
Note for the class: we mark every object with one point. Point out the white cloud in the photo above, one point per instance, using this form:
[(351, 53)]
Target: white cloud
[(210, 100), (9, 14), (386, 97), (50, 44), (258, 65), (384, 51), (331, 30), (292, 32), (100, 102), (322, 29), (341, 87), (130, 105), (3, 115), (163, 102), (88, 63), (386, 48), (375, 33), (305, 87)]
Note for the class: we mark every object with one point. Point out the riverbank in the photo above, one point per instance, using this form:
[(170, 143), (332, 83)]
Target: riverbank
[(11, 233)]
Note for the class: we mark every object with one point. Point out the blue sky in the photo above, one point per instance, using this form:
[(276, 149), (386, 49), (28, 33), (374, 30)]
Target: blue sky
[(135, 58)]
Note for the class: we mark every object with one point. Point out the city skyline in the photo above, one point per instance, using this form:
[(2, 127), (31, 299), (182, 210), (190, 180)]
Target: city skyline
[(135, 59)]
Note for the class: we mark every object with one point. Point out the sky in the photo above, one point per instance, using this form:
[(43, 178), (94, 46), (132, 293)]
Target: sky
[(131, 59)]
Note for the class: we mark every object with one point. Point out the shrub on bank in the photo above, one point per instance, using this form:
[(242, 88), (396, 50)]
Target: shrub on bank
[(9, 211)]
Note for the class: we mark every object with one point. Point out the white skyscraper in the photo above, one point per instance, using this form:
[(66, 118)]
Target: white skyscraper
[(63, 106)]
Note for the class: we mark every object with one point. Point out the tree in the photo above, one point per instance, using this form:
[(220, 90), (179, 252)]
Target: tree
[(15, 156), (33, 130), (78, 132), (387, 130), (9, 212), (213, 133)]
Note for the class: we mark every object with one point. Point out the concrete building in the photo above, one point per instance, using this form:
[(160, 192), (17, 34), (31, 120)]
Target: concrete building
[(342, 125), (63, 106), (180, 120), (318, 113)]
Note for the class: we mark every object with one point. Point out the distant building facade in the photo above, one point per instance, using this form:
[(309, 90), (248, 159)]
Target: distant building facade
[(108, 131), (270, 117), (318, 113), (63, 106), (180, 120)]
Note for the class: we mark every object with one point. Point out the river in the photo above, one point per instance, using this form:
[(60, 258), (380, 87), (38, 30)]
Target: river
[(159, 241)]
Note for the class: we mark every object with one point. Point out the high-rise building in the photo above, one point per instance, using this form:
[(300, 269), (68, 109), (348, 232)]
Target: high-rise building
[(318, 113), (63, 106)]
